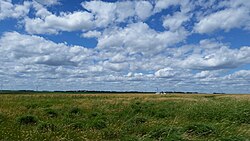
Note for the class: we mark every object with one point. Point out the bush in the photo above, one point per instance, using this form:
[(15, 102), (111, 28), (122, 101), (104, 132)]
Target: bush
[(199, 130), (27, 119), (46, 127)]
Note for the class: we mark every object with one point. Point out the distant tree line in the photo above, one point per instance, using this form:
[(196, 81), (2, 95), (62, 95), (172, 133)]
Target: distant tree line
[(92, 92)]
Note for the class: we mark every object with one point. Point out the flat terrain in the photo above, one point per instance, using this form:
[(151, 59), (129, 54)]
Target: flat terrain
[(128, 117)]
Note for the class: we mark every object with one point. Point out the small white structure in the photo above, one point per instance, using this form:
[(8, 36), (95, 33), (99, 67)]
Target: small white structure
[(157, 91), (162, 92)]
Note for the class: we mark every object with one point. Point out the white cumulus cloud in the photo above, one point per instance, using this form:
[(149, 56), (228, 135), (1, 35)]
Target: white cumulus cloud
[(9, 10)]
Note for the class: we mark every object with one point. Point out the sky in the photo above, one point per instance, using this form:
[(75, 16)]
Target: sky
[(180, 45)]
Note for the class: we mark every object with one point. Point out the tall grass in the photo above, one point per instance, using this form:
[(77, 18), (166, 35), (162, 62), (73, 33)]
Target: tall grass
[(124, 117)]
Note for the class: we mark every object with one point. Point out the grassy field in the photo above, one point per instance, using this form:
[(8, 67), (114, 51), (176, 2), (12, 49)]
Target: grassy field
[(128, 117)]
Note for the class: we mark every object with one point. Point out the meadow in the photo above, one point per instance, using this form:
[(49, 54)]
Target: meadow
[(125, 117)]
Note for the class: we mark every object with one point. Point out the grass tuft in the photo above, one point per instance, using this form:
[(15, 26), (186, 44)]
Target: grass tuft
[(31, 106), (139, 120), (98, 123), (27, 119), (200, 129), (77, 125), (234, 138), (51, 113), (46, 127), (75, 111), (2, 118)]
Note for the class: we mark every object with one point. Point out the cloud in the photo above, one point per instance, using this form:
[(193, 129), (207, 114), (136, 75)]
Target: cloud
[(226, 19), (207, 74), (99, 14), (175, 22), (91, 34), (41, 11), (31, 56), (163, 4), (33, 59), (48, 2), (125, 38), (103, 12), (119, 58), (185, 5), (143, 9), (210, 55), (37, 50), (107, 13), (52, 24), (240, 75), (119, 67), (165, 73), (9, 10)]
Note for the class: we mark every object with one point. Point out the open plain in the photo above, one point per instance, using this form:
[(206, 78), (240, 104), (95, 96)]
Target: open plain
[(128, 117)]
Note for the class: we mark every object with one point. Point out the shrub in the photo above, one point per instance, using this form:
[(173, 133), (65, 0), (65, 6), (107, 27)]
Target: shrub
[(199, 129), (27, 119), (46, 127)]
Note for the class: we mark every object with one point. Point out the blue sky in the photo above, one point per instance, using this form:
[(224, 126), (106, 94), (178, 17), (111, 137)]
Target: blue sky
[(181, 45)]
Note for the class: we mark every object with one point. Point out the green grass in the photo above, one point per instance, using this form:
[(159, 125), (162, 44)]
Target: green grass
[(127, 117)]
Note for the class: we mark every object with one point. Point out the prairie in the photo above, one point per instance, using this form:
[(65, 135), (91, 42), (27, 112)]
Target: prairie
[(126, 117)]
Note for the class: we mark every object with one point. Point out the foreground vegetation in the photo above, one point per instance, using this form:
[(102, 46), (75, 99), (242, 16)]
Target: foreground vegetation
[(127, 117)]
